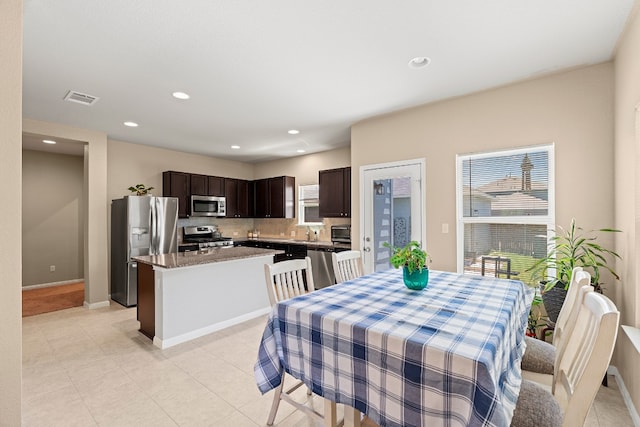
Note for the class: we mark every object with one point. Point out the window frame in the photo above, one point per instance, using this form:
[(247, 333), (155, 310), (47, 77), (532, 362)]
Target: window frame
[(301, 205), (548, 220)]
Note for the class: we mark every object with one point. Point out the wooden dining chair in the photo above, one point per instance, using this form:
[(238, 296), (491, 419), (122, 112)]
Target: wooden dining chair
[(347, 265), (288, 279), (582, 365), (541, 357)]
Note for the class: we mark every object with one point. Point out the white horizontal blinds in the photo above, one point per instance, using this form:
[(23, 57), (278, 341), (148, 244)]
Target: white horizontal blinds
[(308, 199), (309, 193), (506, 184), (505, 209)]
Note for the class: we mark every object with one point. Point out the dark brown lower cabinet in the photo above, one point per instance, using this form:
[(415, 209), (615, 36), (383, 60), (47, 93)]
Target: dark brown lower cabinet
[(146, 300)]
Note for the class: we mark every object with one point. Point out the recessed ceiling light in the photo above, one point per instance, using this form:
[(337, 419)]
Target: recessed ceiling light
[(300, 151), (235, 147), (131, 124), (181, 95), (48, 141), (293, 131), (419, 62)]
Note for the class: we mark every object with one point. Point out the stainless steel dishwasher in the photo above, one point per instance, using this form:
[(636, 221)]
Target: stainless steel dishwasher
[(321, 266)]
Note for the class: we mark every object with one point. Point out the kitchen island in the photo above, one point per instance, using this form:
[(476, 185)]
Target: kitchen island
[(187, 295)]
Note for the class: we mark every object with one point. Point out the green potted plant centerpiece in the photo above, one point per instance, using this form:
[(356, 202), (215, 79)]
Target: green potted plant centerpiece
[(414, 264), (140, 190), (569, 248)]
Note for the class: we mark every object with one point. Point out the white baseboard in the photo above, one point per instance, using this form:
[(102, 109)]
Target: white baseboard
[(170, 342), (625, 395), (95, 305), (47, 285)]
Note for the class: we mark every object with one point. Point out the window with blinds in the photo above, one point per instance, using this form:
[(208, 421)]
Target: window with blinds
[(308, 202), (505, 210)]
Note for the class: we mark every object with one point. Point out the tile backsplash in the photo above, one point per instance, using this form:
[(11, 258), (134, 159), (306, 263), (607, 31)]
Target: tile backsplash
[(237, 228)]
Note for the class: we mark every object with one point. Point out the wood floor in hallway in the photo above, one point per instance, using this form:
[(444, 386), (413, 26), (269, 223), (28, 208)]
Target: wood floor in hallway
[(53, 298)]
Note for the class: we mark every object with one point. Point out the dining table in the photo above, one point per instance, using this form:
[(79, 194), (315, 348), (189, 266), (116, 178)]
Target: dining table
[(446, 355)]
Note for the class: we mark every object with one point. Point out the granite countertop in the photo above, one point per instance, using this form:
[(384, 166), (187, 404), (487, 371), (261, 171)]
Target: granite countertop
[(308, 243), (205, 256)]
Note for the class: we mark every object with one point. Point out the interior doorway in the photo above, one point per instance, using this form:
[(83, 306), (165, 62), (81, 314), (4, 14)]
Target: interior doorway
[(53, 217), (393, 211)]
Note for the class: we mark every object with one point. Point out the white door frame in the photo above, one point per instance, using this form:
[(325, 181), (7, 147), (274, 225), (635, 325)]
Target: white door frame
[(422, 220)]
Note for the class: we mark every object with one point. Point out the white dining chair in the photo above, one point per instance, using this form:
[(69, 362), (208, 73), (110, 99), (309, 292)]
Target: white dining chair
[(582, 365), (347, 265), (540, 357), (288, 279)]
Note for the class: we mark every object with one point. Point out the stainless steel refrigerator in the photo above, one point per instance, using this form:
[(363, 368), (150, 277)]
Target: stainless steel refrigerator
[(140, 225)]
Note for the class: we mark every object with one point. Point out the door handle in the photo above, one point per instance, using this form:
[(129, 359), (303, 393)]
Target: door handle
[(367, 249)]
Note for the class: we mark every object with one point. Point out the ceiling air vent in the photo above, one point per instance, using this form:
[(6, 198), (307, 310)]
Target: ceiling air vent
[(80, 98)]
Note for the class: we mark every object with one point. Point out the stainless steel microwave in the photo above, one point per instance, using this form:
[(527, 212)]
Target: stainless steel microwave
[(208, 206)]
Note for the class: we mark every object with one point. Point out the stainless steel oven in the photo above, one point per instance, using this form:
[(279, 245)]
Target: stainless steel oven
[(341, 233), (208, 206)]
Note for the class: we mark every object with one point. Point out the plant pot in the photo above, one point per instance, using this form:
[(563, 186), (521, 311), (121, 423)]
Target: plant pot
[(416, 280), (553, 300)]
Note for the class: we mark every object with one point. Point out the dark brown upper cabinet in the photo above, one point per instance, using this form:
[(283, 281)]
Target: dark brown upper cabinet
[(215, 186), (335, 193), (236, 192), (199, 185), (178, 184), (205, 185), (274, 197)]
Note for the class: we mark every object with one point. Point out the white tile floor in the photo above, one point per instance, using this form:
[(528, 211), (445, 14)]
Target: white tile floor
[(93, 368)]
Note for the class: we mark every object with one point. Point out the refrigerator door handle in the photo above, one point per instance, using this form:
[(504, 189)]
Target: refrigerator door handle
[(153, 236)]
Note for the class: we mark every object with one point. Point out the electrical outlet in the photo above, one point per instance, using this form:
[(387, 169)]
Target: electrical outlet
[(281, 234), (52, 268), (235, 233), (293, 233), (445, 228)]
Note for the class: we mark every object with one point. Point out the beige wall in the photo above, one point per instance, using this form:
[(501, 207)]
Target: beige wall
[(131, 164), (627, 199), (52, 217), (571, 109), (10, 225), (305, 168)]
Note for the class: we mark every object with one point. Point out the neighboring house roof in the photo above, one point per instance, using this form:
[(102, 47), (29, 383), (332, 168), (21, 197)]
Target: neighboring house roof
[(509, 183), (466, 191), (518, 201), (401, 187)]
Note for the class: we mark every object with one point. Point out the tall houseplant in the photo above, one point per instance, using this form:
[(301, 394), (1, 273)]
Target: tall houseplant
[(569, 248)]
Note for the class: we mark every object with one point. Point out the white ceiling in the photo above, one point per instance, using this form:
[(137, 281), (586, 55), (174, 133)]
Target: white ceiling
[(255, 69), (32, 141)]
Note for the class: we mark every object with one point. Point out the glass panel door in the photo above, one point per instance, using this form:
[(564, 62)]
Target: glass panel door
[(393, 210)]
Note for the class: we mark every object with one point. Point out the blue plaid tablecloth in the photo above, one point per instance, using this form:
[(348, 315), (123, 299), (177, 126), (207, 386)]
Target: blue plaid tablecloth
[(446, 355)]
